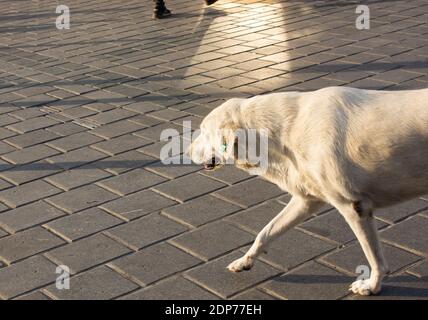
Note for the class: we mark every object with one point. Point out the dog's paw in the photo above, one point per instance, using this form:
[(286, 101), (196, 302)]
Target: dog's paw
[(240, 264), (364, 288)]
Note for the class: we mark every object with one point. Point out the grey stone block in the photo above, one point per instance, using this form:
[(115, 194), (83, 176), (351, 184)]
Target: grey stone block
[(172, 289), (116, 129), (201, 210), (153, 263), (26, 275), (187, 187), (87, 252), (352, 256), (81, 198), (82, 224), (32, 124), (120, 144), (255, 218), (131, 181), (145, 231), (28, 216), (100, 283), (212, 240), (26, 193), (27, 243), (292, 249), (138, 204), (402, 210), (30, 154), (77, 177), (249, 193), (124, 162), (170, 171), (77, 158), (29, 139), (74, 141), (227, 174), (333, 226), (409, 234), (215, 277), (29, 172), (253, 294), (310, 282), (420, 270)]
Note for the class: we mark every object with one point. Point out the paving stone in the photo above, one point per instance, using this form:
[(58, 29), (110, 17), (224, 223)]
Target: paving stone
[(409, 234), (421, 270), (153, 263), (249, 193), (6, 148), (172, 289), (28, 216), (29, 172), (26, 193), (138, 204), (30, 154), (74, 141), (77, 177), (131, 181), (170, 171), (352, 256), (201, 210), (35, 295), (333, 226), (292, 249), (87, 252), (227, 174), (116, 129), (81, 198), (120, 144), (124, 162), (82, 224), (196, 185), (3, 233), (310, 282), (26, 275), (401, 211), (4, 185), (32, 124), (66, 129), (212, 240), (5, 133), (31, 138), (255, 218), (215, 277), (154, 133), (77, 158), (27, 243), (146, 231), (98, 284), (111, 116), (253, 294)]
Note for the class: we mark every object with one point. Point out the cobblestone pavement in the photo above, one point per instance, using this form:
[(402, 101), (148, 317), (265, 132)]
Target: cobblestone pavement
[(81, 115)]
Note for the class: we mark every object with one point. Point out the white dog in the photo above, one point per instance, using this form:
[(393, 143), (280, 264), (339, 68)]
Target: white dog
[(355, 149)]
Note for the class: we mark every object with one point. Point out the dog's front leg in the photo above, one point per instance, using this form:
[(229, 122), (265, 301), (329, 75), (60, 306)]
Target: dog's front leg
[(297, 210), (363, 225)]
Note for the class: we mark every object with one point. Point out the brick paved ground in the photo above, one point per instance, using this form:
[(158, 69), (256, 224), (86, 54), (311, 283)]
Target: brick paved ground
[(81, 113)]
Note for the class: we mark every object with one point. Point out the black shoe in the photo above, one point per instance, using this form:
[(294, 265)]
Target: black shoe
[(161, 13), (210, 2)]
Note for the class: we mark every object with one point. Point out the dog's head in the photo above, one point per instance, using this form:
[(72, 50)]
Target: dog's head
[(217, 140)]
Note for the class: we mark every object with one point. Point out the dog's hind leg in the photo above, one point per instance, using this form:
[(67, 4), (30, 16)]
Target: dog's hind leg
[(363, 225), (297, 210)]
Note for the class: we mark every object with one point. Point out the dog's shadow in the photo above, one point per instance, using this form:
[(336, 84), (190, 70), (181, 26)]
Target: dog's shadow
[(394, 287)]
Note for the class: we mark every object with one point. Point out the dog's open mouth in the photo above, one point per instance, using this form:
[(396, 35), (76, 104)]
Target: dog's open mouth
[(213, 164)]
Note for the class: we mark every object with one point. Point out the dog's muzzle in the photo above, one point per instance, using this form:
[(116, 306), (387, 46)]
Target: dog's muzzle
[(212, 164)]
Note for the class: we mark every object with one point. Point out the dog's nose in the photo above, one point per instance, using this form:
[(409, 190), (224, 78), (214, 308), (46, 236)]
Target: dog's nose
[(210, 165)]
